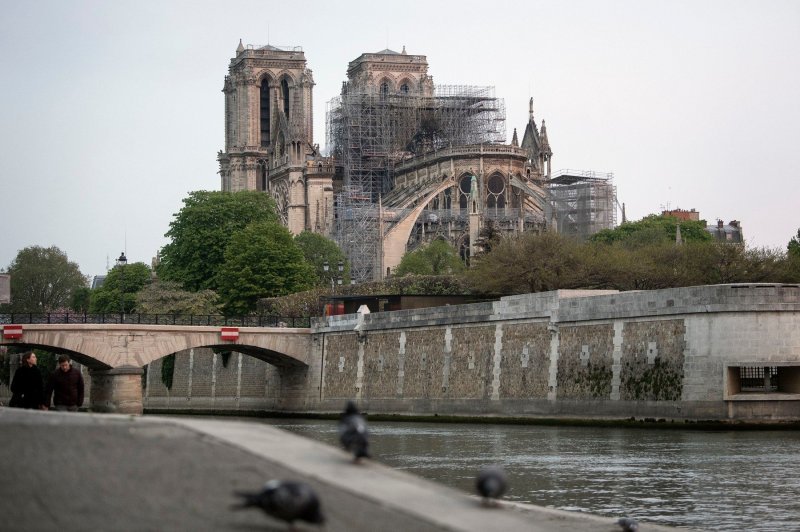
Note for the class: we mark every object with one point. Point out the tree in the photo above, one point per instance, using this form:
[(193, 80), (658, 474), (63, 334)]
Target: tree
[(436, 258), (118, 293), (43, 279), (794, 246), (167, 297), (202, 230), (261, 261), (653, 229), (527, 262), (317, 250), (81, 299)]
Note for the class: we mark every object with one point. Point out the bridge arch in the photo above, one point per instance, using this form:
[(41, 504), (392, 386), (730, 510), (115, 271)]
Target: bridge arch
[(116, 353)]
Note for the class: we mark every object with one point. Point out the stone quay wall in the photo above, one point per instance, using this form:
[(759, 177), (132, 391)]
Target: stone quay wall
[(668, 354), (673, 354)]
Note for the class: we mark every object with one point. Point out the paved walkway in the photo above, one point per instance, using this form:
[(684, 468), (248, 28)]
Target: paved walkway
[(65, 472)]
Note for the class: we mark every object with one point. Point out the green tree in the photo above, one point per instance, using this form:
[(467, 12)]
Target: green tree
[(794, 246), (167, 297), (202, 230), (527, 262), (317, 250), (118, 293), (43, 280), (81, 299), (653, 229), (261, 261), (435, 258)]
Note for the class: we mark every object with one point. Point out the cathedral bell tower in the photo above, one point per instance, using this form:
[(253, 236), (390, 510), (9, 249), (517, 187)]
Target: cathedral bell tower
[(269, 127)]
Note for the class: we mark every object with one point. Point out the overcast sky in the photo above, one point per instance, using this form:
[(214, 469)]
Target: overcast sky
[(112, 111)]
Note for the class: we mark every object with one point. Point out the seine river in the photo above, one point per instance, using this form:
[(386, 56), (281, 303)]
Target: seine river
[(725, 480)]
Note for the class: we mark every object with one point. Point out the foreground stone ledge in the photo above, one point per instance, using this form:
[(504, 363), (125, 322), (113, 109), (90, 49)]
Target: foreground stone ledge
[(105, 471)]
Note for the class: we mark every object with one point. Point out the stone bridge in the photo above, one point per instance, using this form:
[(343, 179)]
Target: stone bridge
[(116, 353)]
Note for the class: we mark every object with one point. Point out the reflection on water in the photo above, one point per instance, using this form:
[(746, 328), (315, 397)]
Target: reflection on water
[(703, 480)]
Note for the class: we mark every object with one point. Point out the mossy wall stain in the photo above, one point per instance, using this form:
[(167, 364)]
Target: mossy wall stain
[(577, 380), (661, 379)]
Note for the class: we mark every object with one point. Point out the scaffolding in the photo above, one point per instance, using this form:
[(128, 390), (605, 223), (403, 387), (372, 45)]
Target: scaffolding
[(369, 131), (583, 202)]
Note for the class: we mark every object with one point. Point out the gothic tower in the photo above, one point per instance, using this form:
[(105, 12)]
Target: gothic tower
[(269, 133)]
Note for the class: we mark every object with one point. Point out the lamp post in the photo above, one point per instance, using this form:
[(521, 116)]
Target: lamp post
[(334, 280), (121, 262)]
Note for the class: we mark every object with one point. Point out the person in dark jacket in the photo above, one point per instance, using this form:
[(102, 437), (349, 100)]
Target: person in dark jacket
[(65, 386), (26, 386)]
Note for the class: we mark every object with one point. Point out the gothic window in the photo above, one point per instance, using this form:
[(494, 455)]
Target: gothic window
[(262, 181), (285, 96), (496, 194), (404, 88), (384, 89), (447, 199), (464, 187), (264, 113)]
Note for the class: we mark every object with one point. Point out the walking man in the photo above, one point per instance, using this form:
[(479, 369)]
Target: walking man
[(27, 387), (66, 386)]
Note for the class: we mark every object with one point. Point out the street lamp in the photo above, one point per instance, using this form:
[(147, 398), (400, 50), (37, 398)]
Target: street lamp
[(338, 279), (121, 262)]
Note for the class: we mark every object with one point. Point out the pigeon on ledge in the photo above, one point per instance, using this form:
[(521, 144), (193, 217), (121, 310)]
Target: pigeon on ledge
[(491, 484), (286, 500), (353, 432)]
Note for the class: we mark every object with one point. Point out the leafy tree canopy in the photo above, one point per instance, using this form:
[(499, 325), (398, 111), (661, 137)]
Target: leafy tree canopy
[(167, 297), (794, 246), (317, 250), (436, 258), (527, 262), (43, 280), (119, 290), (261, 261), (653, 229), (201, 231)]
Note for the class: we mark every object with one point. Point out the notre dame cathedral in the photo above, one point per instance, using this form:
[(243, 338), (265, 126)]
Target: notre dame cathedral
[(409, 161)]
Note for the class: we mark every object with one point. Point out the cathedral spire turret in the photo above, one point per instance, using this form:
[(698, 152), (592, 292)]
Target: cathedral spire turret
[(530, 110), (514, 141), (240, 48), (544, 142)]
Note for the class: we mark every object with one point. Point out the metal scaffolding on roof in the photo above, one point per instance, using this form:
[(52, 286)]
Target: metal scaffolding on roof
[(369, 131), (583, 202)]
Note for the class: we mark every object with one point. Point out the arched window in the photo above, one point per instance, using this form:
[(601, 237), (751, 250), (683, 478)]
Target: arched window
[(404, 88), (464, 187), (264, 114), (384, 89), (285, 95), (262, 182), (496, 197)]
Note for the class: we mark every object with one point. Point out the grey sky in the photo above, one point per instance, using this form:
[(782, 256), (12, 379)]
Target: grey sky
[(112, 112)]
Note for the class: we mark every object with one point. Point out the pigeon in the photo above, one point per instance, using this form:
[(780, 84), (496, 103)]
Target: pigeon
[(491, 484), (286, 500), (353, 432), (628, 524)]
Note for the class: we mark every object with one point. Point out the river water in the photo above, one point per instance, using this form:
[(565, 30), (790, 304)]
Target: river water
[(727, 480)]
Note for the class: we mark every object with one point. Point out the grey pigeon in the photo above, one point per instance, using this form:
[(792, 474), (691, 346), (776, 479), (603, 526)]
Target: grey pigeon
[(628, 524), (491, 484), (353, 432), (286, 500)]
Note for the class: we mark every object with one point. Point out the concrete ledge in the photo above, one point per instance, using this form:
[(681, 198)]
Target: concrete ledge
[(130, 473)]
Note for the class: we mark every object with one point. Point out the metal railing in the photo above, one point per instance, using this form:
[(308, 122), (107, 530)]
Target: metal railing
[(22, 318)]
